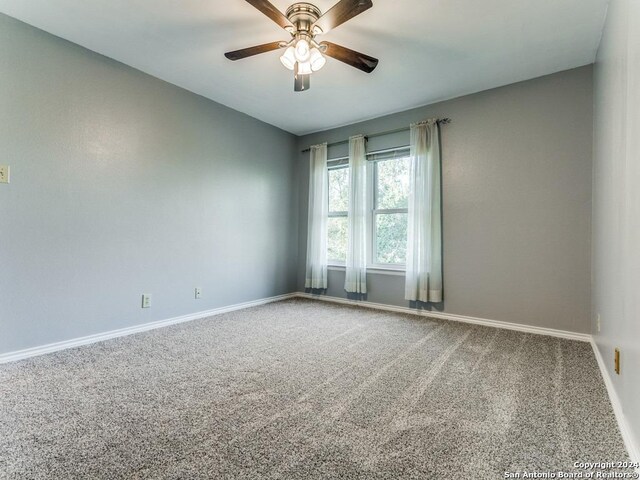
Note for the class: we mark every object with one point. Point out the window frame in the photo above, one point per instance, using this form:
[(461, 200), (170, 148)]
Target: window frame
[(372, 212), (372, 194), (335, 164)]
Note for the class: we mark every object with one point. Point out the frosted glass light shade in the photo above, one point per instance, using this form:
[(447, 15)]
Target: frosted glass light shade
[(316, 60), (304, 68), (288, 58), (302, 50)]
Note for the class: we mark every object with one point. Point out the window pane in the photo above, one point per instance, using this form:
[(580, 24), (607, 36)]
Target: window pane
[(337, 239), (339, 190), (391, 238), (393, 183)]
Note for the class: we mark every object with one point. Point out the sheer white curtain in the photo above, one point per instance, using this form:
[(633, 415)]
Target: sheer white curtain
[(316, 276), (424, 228), (356, 274)]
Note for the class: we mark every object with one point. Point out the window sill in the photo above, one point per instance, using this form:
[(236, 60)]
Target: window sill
[(374, 270), (339, 268)]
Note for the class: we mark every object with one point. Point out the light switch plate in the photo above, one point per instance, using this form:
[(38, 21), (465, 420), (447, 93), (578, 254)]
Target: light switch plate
[(198, 293), (4, 173)]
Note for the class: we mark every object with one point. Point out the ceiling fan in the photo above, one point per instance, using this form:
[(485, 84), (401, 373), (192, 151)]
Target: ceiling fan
[(302, 53)]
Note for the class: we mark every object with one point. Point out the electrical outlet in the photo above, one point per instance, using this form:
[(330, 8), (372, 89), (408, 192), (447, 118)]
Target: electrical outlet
[(198, 293), (4, 173), (616, 360), (598, 323), (146, 300)]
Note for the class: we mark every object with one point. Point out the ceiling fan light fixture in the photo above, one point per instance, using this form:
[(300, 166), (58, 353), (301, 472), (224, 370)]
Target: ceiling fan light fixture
[(288, 58), (302, 53), (316, 59), (304, 68), (302, 50)]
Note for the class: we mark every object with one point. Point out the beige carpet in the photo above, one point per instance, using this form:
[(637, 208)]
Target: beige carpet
[(302, 389)]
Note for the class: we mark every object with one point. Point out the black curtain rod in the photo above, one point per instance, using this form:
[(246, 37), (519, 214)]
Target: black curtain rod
[(441, 121)]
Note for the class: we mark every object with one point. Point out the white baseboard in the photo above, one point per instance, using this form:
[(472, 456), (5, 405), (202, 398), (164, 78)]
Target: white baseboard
[(99, 337), (582, 337), (633, 446)]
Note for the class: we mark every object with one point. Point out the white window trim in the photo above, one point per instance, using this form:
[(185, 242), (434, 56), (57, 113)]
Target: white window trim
[(371, 231), (373, 270), (336, 164)]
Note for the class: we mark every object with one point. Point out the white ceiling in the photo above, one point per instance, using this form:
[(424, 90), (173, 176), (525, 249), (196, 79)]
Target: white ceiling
[(429, 50)]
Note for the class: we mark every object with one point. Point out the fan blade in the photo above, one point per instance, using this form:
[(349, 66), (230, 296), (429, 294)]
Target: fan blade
[(350, 57), (272, 12), (301, 82), (249, 52), (341, 12)]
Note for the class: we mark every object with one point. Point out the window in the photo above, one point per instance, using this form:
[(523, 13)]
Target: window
[(338, 205), (388, 191)]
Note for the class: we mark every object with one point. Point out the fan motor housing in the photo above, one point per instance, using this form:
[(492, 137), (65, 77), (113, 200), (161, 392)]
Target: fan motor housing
[(303, 16)]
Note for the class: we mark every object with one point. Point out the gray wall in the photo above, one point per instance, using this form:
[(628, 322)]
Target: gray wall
[(517, 201), (123, 184), (616, 204)]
